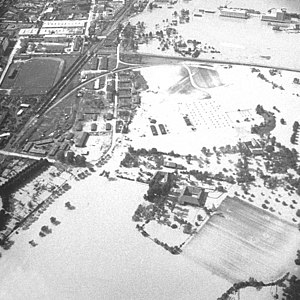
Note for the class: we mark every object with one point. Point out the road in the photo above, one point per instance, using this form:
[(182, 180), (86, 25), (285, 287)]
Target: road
[(79, 86), (165, 59)]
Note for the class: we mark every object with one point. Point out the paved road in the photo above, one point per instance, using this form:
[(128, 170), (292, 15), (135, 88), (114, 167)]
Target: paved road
[(165, 59)]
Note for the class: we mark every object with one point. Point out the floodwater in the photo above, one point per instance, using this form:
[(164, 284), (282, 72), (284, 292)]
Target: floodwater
[(245, 241), (250, 40), (96, 253)]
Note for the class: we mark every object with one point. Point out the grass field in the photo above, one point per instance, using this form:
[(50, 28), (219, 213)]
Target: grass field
[(35, 76), (245, 241)]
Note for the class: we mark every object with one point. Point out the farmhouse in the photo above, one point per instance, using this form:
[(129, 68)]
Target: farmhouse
[(192, 196)]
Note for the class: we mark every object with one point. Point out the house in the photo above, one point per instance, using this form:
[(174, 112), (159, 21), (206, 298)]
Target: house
[(192, 196)]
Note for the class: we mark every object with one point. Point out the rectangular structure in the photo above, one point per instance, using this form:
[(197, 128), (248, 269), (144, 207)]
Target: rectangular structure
[(82, 139), (234, 13)]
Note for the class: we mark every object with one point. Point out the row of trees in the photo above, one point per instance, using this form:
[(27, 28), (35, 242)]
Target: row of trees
[(23, 176), (252, 283), (295, 132)]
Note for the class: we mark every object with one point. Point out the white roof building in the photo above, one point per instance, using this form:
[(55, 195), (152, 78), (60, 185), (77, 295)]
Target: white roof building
[(28, 31), (64, 23)]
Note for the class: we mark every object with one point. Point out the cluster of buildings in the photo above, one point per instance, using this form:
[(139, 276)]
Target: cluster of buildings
[(48, 146), (127, 94), (188, 195), (273, 15)]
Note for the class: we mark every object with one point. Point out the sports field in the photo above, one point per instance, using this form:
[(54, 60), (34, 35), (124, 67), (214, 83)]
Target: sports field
[(35, 76), (244, 241)]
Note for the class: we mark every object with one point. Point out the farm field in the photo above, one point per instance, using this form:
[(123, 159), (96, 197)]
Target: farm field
[(243, 241)]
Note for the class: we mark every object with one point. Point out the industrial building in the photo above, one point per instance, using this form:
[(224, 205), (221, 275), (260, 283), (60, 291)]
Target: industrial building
[(279, 16), (234, 13)]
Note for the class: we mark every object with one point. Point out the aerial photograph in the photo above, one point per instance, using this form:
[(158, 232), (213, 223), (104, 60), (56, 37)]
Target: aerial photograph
[(150, 149)]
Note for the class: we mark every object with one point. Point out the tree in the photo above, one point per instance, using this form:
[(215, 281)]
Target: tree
[(60, 156), (80, 160), (292, 291), (269, 148), (282, 121), (70, 157)]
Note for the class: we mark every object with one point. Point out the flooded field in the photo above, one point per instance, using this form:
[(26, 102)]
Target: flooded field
[(244, 241), (244, 40)]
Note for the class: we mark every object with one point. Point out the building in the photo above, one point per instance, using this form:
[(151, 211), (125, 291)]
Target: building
[(192, 195), (27, 146), (27, 32), (64, 146), (234, 13), (4, 42), (79, 126), (82, 139), (54, 150), (70, 135), (64, 23), (108, 126), (154, 130), (38, 151), (80, 117), (162, 129), (109, 116), (162, 177), (77, 43), (44, 142), (170, 164), (104, 63), (64, 31), (278, 16)]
